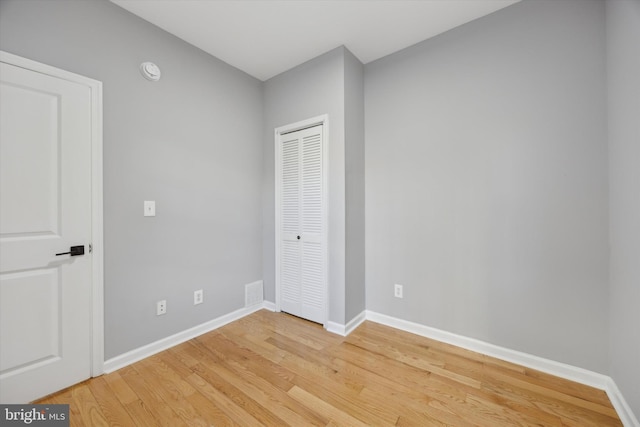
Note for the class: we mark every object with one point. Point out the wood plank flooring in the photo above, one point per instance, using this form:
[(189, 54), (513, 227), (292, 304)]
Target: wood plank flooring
[(274, 369)]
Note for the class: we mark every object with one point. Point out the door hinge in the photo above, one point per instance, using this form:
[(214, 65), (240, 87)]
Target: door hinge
[(90, 248)]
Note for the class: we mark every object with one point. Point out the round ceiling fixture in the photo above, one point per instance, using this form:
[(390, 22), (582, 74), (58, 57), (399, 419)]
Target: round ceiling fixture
[(150, 71)]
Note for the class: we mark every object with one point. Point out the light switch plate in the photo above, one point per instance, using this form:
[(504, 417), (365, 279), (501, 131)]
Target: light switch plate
[(149, 208)]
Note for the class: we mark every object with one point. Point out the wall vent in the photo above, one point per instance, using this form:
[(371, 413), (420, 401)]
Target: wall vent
[(253, 294)]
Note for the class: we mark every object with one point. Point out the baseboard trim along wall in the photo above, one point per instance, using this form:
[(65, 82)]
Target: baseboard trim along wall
[(140, 353), (562, 370), (345, 330), (268, 305), (618, 401)]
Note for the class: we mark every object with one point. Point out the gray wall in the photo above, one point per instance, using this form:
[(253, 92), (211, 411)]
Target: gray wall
[(486, 181), (311, 89), (182, 142), (331, 84), (354, 164), (623, 72)]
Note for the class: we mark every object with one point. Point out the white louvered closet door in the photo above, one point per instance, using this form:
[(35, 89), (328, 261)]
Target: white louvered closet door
[(302, 263)]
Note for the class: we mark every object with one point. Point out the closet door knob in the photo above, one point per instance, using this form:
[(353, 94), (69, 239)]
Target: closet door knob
[(298, 237)]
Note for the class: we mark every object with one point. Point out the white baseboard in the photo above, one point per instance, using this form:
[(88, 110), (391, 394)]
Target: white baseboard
[(268, 305), (562, 370), (140, 353), (355, 322), (344, 330), (545, 365), (621, 406), (336, 328), (552, 367)]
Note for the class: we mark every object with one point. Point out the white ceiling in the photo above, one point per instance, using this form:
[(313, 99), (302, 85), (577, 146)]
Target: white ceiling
[(266, 37)]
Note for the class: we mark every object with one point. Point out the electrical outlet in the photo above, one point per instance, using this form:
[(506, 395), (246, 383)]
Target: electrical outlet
[(161, 307), (397, 291), (198, 297)]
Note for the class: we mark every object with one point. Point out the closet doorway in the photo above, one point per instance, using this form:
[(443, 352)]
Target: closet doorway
[(301, 219)]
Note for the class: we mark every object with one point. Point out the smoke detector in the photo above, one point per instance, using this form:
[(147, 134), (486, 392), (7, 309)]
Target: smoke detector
[(150, 71)]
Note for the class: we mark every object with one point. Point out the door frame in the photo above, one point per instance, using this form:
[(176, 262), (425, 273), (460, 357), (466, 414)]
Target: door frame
[(97, 239), (293, 127)]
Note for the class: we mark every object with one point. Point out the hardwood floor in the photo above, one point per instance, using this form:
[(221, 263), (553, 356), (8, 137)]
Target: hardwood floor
[(274, 369)]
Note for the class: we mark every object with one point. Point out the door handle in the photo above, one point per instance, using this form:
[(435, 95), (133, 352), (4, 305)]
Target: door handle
[(298, 237), (73, 251)]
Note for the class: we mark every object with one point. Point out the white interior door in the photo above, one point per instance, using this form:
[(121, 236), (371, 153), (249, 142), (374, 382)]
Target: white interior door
[(302, 261), (45, 208)]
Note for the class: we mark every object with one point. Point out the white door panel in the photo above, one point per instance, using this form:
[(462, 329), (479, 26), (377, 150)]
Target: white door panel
[(45, 208), (39, 320), (302, 266), (38, 177)]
